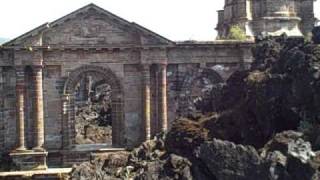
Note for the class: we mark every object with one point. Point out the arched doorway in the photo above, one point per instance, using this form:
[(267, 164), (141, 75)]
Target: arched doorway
[(197, 85), (106, 89)]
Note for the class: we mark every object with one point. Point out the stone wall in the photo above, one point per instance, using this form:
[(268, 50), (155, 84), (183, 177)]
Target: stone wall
[(125, 64), (8, 109)]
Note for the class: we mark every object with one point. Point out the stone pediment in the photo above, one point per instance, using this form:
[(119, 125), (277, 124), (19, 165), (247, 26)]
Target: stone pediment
[(90, 25)]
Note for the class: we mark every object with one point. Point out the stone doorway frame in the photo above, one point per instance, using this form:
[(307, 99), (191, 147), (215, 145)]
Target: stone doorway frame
[(68, 104)]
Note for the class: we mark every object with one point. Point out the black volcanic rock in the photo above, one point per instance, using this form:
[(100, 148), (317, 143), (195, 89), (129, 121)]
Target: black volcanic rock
[(279, 92), (228, 161), (316, 35)]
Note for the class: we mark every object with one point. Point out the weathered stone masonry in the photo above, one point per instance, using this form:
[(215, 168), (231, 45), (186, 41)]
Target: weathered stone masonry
[(150, 77), (267, 17)]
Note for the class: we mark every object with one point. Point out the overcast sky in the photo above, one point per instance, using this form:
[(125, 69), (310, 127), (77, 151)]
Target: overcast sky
[(174, 19)]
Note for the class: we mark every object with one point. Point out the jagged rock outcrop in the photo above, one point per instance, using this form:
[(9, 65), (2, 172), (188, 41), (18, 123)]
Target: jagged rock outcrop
[(228, 161), (280, 142), (150, 161), (291, 157), (172, 167), (184, 136), (279, 92), (103, 167)]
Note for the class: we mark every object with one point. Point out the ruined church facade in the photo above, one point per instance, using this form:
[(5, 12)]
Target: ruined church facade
[(153, 81)]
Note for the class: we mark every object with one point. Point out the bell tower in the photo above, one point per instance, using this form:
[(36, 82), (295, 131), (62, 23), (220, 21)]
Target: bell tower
[(236, 12), (267, 17)]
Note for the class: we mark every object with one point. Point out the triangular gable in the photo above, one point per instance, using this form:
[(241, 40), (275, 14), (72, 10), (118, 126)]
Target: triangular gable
[(45, 27), (28, 34)]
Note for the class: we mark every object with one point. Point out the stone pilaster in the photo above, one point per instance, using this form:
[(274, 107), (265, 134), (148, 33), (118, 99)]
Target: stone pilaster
[(20, 108), (163, 97), (146, 101), (38, 108)]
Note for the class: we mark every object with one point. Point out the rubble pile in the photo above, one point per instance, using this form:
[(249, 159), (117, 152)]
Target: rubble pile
[(148, 161), (229, 161), (285, 157), (93, 125)]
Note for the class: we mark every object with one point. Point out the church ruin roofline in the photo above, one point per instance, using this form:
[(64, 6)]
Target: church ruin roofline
[(177, 44), (71, 15), (27, 34), (215, 42), (86, 47)]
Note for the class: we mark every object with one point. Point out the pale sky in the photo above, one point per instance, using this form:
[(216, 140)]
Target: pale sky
[(173, 19)]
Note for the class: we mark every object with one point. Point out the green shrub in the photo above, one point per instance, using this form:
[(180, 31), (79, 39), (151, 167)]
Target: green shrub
[(236, 33)]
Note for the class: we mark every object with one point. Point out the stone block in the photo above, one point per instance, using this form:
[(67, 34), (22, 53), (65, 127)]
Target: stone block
[(30, 160)]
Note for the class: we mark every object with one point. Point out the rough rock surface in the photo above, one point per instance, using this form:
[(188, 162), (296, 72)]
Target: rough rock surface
[(150, 161), (184, 136), (172, 167), (316, 35), (215, 159), (228, 161), (105, 167), (279, 92), (280, 142), (291, 157)]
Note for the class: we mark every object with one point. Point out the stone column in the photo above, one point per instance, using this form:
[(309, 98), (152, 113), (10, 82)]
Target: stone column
[(146, 101), (38, 108), (20, 107), (163, 97)]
